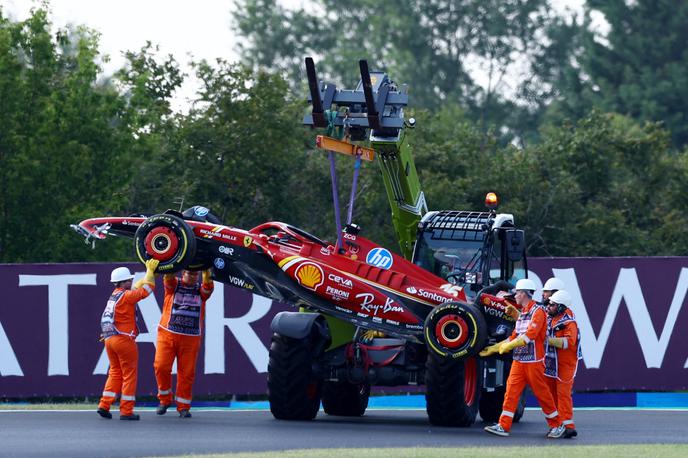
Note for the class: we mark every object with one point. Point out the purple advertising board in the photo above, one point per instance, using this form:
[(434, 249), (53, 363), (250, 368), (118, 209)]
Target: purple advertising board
[(632, 318), (630, 312)]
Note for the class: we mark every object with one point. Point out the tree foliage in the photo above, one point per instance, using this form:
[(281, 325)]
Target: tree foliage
[(604, 186), (634, 64), (62, 141), (434, 46), (75, 145)]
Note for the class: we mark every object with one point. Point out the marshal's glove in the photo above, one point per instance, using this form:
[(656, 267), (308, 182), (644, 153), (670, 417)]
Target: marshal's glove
[(512, 312), (149, 278), (559, 342), (207, 277), (151, 265), (507, 346), (370, 334), (492, 349)]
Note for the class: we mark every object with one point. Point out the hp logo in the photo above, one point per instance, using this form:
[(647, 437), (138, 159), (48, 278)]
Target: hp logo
[(380, 257), (201, 211)]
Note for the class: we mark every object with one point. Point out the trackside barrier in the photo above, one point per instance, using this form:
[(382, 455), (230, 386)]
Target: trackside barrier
[(629, 311)]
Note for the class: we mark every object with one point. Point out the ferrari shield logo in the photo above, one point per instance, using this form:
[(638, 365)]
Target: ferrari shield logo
[(247, 241)]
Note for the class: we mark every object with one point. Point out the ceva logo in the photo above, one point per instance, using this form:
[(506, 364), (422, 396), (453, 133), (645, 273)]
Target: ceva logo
[(380, 257)]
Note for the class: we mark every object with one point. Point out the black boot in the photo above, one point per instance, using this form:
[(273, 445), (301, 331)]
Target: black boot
[(184, 413), (570, 433), (133, 417), (162, 409), (104, 413)]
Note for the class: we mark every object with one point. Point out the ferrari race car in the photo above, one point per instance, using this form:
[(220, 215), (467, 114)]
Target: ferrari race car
[(427, 332)]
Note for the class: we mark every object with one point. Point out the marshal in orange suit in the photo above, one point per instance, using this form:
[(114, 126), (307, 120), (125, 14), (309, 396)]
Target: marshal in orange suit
[(528, 343), (179, 337), (561, 357), (119, 329)]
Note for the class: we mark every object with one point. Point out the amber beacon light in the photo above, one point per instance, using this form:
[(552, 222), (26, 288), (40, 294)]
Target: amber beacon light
[(491, 200)]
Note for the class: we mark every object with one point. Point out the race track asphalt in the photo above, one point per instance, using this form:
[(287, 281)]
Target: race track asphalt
[(85, 434)]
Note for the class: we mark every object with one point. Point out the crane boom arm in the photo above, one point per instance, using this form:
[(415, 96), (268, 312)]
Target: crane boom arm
[(376, 107), (406, 199)]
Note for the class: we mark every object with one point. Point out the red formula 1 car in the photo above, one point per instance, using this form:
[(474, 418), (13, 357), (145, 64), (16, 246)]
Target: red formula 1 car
[(427, 332)]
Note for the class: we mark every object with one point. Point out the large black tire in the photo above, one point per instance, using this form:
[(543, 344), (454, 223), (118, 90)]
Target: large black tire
[(202, 260), (455, 330), (491, 404), (345, 399), (168, 239), (293, 388), (451, 397)]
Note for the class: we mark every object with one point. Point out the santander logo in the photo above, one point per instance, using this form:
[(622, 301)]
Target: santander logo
[(427, 294)]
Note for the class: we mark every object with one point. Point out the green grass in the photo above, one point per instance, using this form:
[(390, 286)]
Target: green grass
[(563, 449)]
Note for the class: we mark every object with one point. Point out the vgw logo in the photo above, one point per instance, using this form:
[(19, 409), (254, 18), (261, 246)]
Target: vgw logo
[(379, 257)]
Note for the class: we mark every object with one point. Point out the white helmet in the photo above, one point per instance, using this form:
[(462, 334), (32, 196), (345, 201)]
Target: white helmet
[(561, 297), (553, 284), (120, 274), (526, 284)]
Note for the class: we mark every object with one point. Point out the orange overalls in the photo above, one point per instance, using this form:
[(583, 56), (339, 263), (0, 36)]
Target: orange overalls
[(528, 367), (119, 329), (179, 336), (561, 364)]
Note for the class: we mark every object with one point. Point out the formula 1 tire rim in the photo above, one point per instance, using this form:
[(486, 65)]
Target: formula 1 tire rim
[(161, 243), (451, 331)]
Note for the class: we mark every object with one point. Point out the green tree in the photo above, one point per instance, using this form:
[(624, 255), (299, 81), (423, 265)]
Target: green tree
[(600, 187), (636, 68), (147, 83), (242, 149), (642, 71), (62, 148), (430, 45), (604, 186)]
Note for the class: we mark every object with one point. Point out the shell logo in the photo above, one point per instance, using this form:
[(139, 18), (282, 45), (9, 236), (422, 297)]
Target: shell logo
[(309, 275)]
